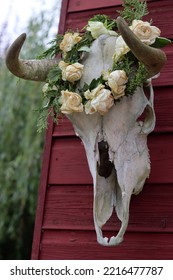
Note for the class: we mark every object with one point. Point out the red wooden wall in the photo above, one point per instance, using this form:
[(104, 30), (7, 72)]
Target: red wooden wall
[(64, 222)]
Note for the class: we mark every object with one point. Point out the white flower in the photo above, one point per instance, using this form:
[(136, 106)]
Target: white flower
[(144, 31), (117, 82), (97, 28), (69, 40), (120, 48), (91, 94), (103, 102), (71, 72), (89, 109), (71, 102), (100, 101), (63, 65), (105, 74)]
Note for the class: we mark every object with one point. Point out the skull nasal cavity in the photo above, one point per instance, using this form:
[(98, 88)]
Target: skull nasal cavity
[(104, 168)]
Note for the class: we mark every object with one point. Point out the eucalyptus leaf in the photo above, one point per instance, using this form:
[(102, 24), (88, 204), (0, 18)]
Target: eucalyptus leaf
[(94, 83), (161, 42), (84, 49), (85, 87)]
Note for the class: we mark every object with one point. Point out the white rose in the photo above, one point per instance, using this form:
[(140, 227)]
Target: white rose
[(89, 109), (72, 72), (63, 65), (91, 94), (69, 40), (144, 31), (105, 75), (117, 82), (103, 102), (97, 28), (120, 48), (71, 102)]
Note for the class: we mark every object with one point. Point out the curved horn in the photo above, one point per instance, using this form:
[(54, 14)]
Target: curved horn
[(153, 59), (34, 70)]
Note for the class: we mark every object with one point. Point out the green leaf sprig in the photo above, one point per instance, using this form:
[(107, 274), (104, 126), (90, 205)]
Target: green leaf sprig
[(133, 9)]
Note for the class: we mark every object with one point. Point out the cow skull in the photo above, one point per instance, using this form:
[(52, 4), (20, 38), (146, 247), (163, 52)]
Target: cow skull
[(116, 143)]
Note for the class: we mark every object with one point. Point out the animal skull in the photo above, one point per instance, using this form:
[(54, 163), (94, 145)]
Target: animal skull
[(116, 143)]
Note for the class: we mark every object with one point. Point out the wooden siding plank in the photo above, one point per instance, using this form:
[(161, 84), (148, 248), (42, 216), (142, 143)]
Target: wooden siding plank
[(71, 208), (68, 164), (62, 21), (81, 5), (64, 128), (165, 78), (163, 104), (75, 245), (166, 73), (161, 154), (42, 192)]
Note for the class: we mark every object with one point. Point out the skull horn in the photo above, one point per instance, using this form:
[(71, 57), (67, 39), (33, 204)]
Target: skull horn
[(153, 59), (34, 70)]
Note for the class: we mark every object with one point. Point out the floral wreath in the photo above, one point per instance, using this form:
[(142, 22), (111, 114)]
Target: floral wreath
[(62, 93)]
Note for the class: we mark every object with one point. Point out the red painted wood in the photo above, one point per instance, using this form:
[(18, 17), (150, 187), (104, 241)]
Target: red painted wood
[(64, 128), (75, 245), (64, 7), (42, 192), (163, 104), (165, 78), (80, 5), (150, 211), (68, 164)]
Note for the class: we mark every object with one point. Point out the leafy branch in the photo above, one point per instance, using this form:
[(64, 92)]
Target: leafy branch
[(133, 9)]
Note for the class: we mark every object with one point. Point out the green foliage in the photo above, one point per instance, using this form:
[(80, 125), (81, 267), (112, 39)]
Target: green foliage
[(19, 163), (138, 80), (161, 42), (133, 9), (75, 54), (136, 72), (54, 49), (108, 22), (20, 150)]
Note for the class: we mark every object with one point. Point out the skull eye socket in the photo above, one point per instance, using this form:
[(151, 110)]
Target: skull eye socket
[(147, 120), (142, 117)]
